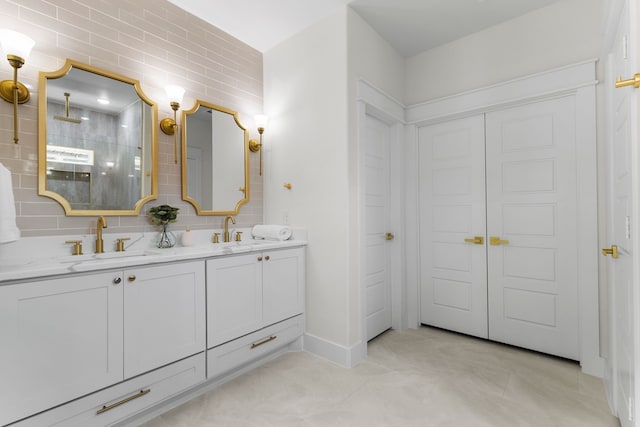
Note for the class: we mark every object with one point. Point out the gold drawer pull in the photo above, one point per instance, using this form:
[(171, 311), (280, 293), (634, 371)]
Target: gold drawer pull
[(123, 401), (264, 341)]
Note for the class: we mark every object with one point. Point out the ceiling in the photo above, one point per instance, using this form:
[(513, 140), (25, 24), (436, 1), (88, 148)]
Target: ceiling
[(410, 26)]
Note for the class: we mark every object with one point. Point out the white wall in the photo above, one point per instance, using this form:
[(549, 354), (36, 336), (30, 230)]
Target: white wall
[(306, 144), (564, 33)]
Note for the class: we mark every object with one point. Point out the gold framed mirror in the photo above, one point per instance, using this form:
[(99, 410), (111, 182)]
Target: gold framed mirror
[(97, 141), (215, 160)]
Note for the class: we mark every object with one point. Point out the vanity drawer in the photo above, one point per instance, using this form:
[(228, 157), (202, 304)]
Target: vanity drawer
[(225, 357), (161, 384)]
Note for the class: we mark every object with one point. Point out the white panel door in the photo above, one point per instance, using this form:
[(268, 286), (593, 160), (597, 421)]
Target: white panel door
[(623, 113), (453, 272), (531, 211), (164, 315), (377, 275), (59, 339)]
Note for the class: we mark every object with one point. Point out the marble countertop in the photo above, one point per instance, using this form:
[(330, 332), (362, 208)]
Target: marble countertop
[(29, 264)]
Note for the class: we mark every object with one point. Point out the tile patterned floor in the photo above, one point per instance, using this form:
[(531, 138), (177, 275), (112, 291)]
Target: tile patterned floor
[(425, 377)]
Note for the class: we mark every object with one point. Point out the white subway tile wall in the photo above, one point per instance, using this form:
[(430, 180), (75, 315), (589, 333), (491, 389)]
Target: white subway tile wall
[(152, 41)]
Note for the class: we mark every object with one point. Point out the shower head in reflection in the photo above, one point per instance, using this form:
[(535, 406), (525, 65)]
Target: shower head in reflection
[(66, 118)]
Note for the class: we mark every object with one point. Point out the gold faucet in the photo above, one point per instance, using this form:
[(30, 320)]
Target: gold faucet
[(226, 227), (102, 223)]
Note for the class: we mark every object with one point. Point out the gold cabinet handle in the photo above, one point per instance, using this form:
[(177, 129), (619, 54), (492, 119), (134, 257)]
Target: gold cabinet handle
[(635, 81), (259, 258), (613, 251), (497, 241), (264, 341), (390, 236), (123, 401), (132, 278), (478, 240)]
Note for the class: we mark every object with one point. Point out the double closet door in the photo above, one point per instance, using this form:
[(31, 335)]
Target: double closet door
[(498, 209)]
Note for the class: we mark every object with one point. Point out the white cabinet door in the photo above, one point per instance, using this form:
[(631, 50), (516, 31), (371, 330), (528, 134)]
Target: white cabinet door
[(452, 209), (59, 339), (234, 297), (282, 285), (531, 204), (164, 315)]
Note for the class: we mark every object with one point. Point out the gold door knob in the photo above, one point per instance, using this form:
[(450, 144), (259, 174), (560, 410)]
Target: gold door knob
[(390, 236), (478, 240), (613, 252), (493, 240)]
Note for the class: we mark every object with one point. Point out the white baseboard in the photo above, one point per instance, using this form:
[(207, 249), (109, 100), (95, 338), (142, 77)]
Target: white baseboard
[(336, 353)]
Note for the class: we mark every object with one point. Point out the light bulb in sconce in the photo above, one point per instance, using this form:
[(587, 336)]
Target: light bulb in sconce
[(16, 48), (167, 125), (254, 145)]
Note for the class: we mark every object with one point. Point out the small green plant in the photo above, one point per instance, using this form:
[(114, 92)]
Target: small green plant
[(163, 214)]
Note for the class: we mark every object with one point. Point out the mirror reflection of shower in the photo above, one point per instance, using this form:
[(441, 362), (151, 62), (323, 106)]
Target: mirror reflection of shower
[(66, 117)]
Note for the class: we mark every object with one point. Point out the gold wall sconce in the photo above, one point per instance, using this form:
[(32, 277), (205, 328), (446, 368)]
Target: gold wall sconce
[(170, 126), (17, 48), (254, 145)]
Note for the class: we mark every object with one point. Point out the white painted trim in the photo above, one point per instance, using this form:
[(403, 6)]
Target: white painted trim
[(412, 226), (578, 80), (587, 226), (611, 25), (379, 100), (541, 85), (336, 353)]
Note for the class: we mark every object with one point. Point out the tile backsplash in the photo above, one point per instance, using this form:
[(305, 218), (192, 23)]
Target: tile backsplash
[(152, 41)]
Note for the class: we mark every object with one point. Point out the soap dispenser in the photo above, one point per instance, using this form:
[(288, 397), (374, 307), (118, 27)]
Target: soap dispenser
[(187, 238)]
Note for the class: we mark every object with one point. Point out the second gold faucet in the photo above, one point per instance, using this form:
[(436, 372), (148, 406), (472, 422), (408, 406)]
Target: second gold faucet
[(226, 227), (102, 223)]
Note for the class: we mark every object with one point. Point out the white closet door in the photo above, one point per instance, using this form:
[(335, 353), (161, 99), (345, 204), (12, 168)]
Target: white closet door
[(452, 209), (531, 204)]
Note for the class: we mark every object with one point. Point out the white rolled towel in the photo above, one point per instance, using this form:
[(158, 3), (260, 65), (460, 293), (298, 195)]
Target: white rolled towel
[(9, 231), (271, 232)]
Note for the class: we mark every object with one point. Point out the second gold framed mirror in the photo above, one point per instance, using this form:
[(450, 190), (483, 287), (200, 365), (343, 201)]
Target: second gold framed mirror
[(215, 160)]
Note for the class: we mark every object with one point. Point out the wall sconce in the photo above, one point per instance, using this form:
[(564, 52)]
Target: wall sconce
[(170, 126), (261, 123), (17, 48)]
